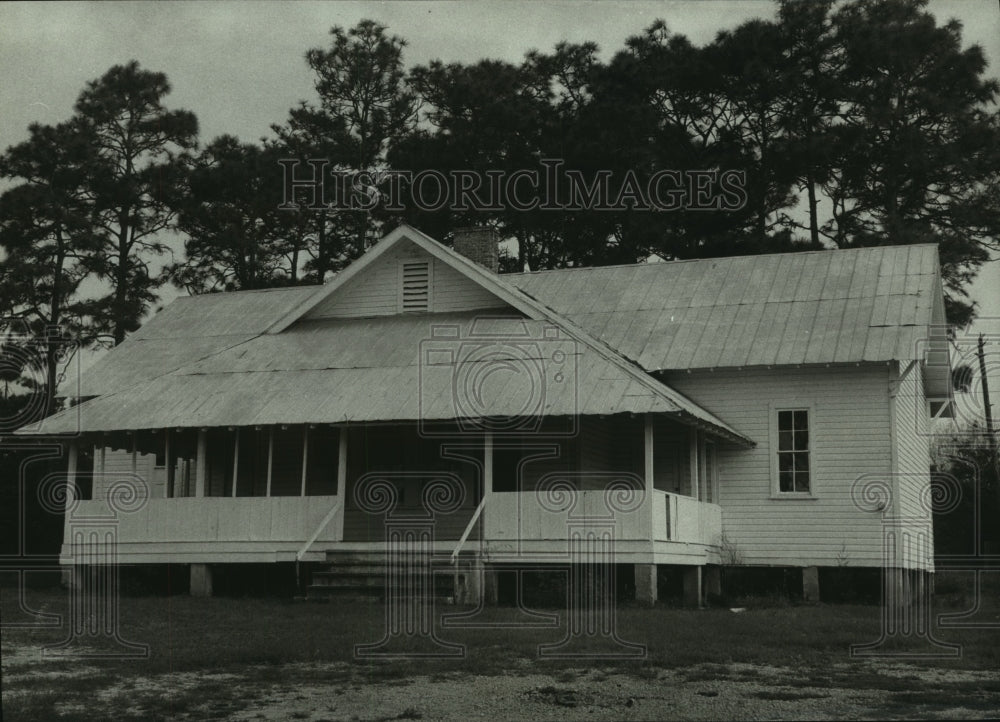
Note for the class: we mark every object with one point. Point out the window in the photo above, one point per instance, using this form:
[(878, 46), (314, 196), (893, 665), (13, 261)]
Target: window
[(793, 451)]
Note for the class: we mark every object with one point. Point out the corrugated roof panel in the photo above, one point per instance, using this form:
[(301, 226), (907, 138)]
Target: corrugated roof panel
[(879, 315), (838, 278), (784, 284), (707, 291), (662, 336), (644, 311), (615, 333), (641, 330), (762, 275), (685, 278), (853, 332), (717, 330), (688, 334), (853, 277), (745, 328), (635, 291), (807, 285), (764, 348), (329, 374), (736, 282), (864, 282), (798, 332), (822, 345)]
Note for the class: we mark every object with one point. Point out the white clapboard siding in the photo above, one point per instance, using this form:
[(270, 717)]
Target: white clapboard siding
[(850, 431), (377, 290), (913, 460)]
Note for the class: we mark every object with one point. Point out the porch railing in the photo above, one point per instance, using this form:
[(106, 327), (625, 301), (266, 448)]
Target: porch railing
[(220, 519), (685, 519), (468, 530), (319, 530)]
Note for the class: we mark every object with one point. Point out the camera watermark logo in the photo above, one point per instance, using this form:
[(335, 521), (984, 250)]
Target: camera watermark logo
[(955, 361), (595, 510), (409, 563), (497, 374), (91, 538), (907, 629), (973, 355), (32, 365)]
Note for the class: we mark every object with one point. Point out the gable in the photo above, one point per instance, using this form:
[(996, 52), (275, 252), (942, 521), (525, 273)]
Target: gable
[(406, 279)]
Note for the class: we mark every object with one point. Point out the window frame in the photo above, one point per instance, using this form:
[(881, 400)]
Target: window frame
[(774, 410)]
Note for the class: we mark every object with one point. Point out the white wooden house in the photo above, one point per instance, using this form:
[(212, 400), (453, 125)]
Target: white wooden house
[(768, 410)]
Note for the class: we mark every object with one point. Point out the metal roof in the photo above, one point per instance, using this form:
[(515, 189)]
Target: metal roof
[(856, 305), (248, 358), (189, 329), (411, 367)]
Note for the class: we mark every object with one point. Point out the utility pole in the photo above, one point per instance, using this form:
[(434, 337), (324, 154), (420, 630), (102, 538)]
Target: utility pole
[(987, 411)]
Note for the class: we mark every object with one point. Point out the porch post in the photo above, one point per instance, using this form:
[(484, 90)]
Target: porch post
[(810, 584), (702, 468), (71, 465), (694, 458), (133, 452), (648, 453), (201, 463), (270, 458), (487, 583), (487, 463), (236, 460), (341, 481), (200, 580), (645, 574), (305, 457), (168, 460), (692, 586), (72, 576), (94, 492)]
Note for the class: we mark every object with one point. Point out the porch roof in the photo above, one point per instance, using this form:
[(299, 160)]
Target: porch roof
[(396, 368)]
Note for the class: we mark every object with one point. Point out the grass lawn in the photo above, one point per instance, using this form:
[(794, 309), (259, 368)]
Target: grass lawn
[(270, 638)]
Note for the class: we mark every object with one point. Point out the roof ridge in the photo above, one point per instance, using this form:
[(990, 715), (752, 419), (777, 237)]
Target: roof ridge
[(656, 264), (243, 291)]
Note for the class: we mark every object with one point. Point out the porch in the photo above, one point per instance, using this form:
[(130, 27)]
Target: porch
[(644, 485)]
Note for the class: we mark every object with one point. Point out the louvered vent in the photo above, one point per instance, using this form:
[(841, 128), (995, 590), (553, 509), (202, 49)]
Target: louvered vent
[(416, 286)]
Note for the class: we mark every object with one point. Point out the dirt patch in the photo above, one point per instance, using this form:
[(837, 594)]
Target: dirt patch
[(42, 688)]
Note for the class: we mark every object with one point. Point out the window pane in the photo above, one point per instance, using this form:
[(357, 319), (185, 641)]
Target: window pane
[(784, 462), (801, 440), (785, 440), (801, 422), (785, 480), (802, 481), (801, 461), (785, 420)]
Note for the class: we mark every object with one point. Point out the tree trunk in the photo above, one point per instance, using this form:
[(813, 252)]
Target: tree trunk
[(121, 285), (813, 210)]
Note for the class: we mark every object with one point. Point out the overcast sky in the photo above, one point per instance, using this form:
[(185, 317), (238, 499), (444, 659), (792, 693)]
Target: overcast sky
[(239, 65)]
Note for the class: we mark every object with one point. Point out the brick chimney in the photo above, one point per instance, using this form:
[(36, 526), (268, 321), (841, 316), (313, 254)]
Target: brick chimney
[(479, 244)]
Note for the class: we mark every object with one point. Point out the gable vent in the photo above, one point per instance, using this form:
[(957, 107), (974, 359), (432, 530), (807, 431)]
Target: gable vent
[(416, 286)]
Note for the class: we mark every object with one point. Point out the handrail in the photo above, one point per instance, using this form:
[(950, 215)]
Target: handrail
[(468, 530), (319, 530)]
